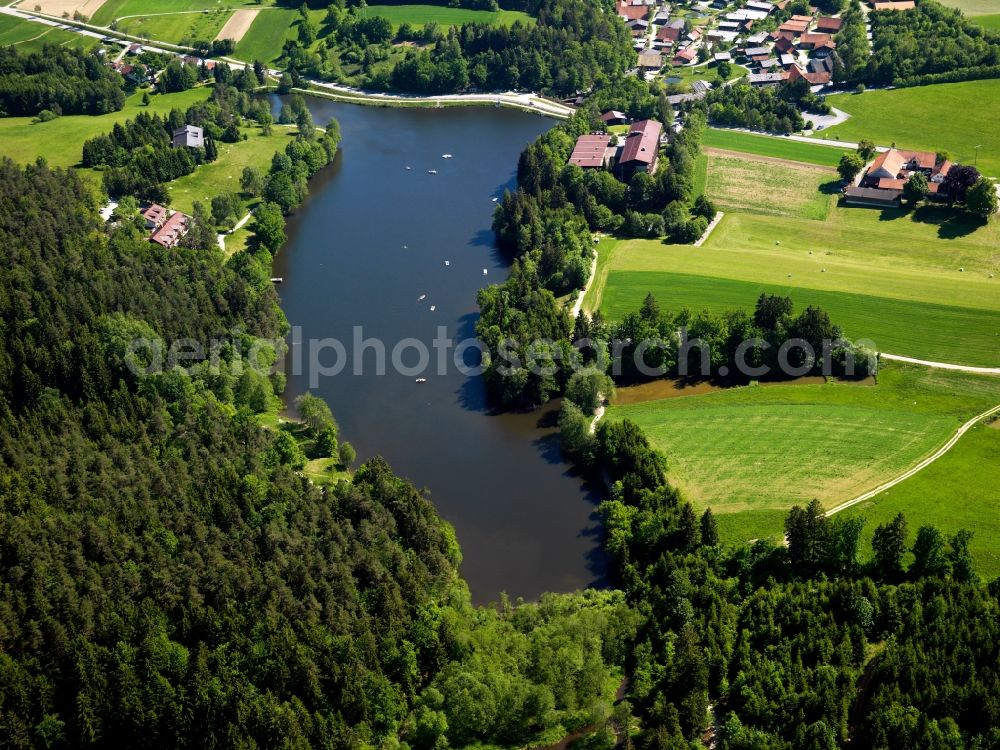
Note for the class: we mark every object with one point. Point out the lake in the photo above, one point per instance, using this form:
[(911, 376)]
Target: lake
[(376, 246)]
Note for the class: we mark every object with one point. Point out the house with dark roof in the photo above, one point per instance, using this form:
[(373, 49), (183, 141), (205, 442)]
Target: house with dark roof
[(872, 197), (671, 32), (190, 136), (641, 149), (614, 117), (810, 40)]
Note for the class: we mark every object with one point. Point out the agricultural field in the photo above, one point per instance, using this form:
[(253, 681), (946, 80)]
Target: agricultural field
[(778, 148), (61, 140), (418, 15), (176, 28), (752, 452), (991, 22), (115, 9), (29, 36), (943, 117), (914, 283), (267, 34), (959, 490)]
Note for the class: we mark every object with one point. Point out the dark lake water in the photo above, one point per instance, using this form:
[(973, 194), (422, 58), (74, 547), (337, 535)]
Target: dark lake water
[(371, 240)]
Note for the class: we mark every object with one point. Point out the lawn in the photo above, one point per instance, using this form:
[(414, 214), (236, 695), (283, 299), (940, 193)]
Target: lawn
[(61, 140), (779, 148), (948, 117), (223, 175), (177, 28), (889, 276), (755, 451), (959, 490), (418, 15), (690, 73)]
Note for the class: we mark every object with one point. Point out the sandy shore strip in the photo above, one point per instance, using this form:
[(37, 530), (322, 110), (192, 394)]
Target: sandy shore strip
[(238, 24)]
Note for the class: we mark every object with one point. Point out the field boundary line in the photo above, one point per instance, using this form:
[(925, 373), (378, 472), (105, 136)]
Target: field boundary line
[(942, 365), (920, 466), (708, 230)]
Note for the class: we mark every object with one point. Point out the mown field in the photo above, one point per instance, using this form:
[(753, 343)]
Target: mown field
[(959, 490), (752, 452), (950, 117), (779, 148), (113, 9), (60, 141), (177, 27), (973, 7), (29, 36), (267, 34), (991, 22), (889, 276)]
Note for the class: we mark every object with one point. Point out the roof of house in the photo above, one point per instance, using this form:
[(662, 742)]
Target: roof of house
[(757, 38), (829, 23), (771, 62), (766, 78), (752, 51), (670, 32), (904, 5), (723, 56), (154, 213), (642, 142), (814, 79), (632, 12), (729, 24), (895, 160), (815, 39), (687, 54), (873, 195), (760, 5), (783, 44), (886, 183), (807, 19), (590, 150), (189, 135), (795, 27), (172, 230), (613, 114), (650, 60)]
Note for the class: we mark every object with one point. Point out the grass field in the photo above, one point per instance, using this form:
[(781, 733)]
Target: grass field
[(418, 15), (113, 9), (757, 450), (959, 490), (223, 175), (176, 28), (945, 116), (29, 36), (736, 184), (779, 148), (691, 73), (61, 140), (973, 7), (267, 34), (891, 277), (991, 22)]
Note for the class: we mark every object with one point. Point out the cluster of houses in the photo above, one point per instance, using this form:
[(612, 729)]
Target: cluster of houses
[(167, 228), (802, 48), (637, 151), (882, 183), (137, 74)]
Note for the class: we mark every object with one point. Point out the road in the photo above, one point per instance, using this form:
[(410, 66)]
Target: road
[(942, 365), (920, 466)]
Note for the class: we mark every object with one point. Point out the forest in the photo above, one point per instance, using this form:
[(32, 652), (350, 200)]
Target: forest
[(58, 79)]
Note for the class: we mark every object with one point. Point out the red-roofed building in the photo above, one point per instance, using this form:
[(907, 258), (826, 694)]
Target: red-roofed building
[(641, 150), (154, 216), (828, 24), (172, 231), (813, 79), (632, 12), (592, 151), (808, 41), (888, 174), (685, 56), (614, 117)]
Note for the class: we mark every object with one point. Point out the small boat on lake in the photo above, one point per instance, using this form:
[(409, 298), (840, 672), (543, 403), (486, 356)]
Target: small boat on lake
[(421, 297), (421, 380), (445, 156), (432, 171)]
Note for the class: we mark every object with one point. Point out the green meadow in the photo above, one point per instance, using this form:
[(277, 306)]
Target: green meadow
[(266, 35), (178, 27), (915, 283), (952, 117), (959, 490), (973, 7), (779, 148), (991, 22), (114, 9), (752, 452), (60, 141)]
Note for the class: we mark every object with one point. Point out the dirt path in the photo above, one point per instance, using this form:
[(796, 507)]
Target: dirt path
[(942, 365), (922, 465), (238, 25), (578, 305)]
